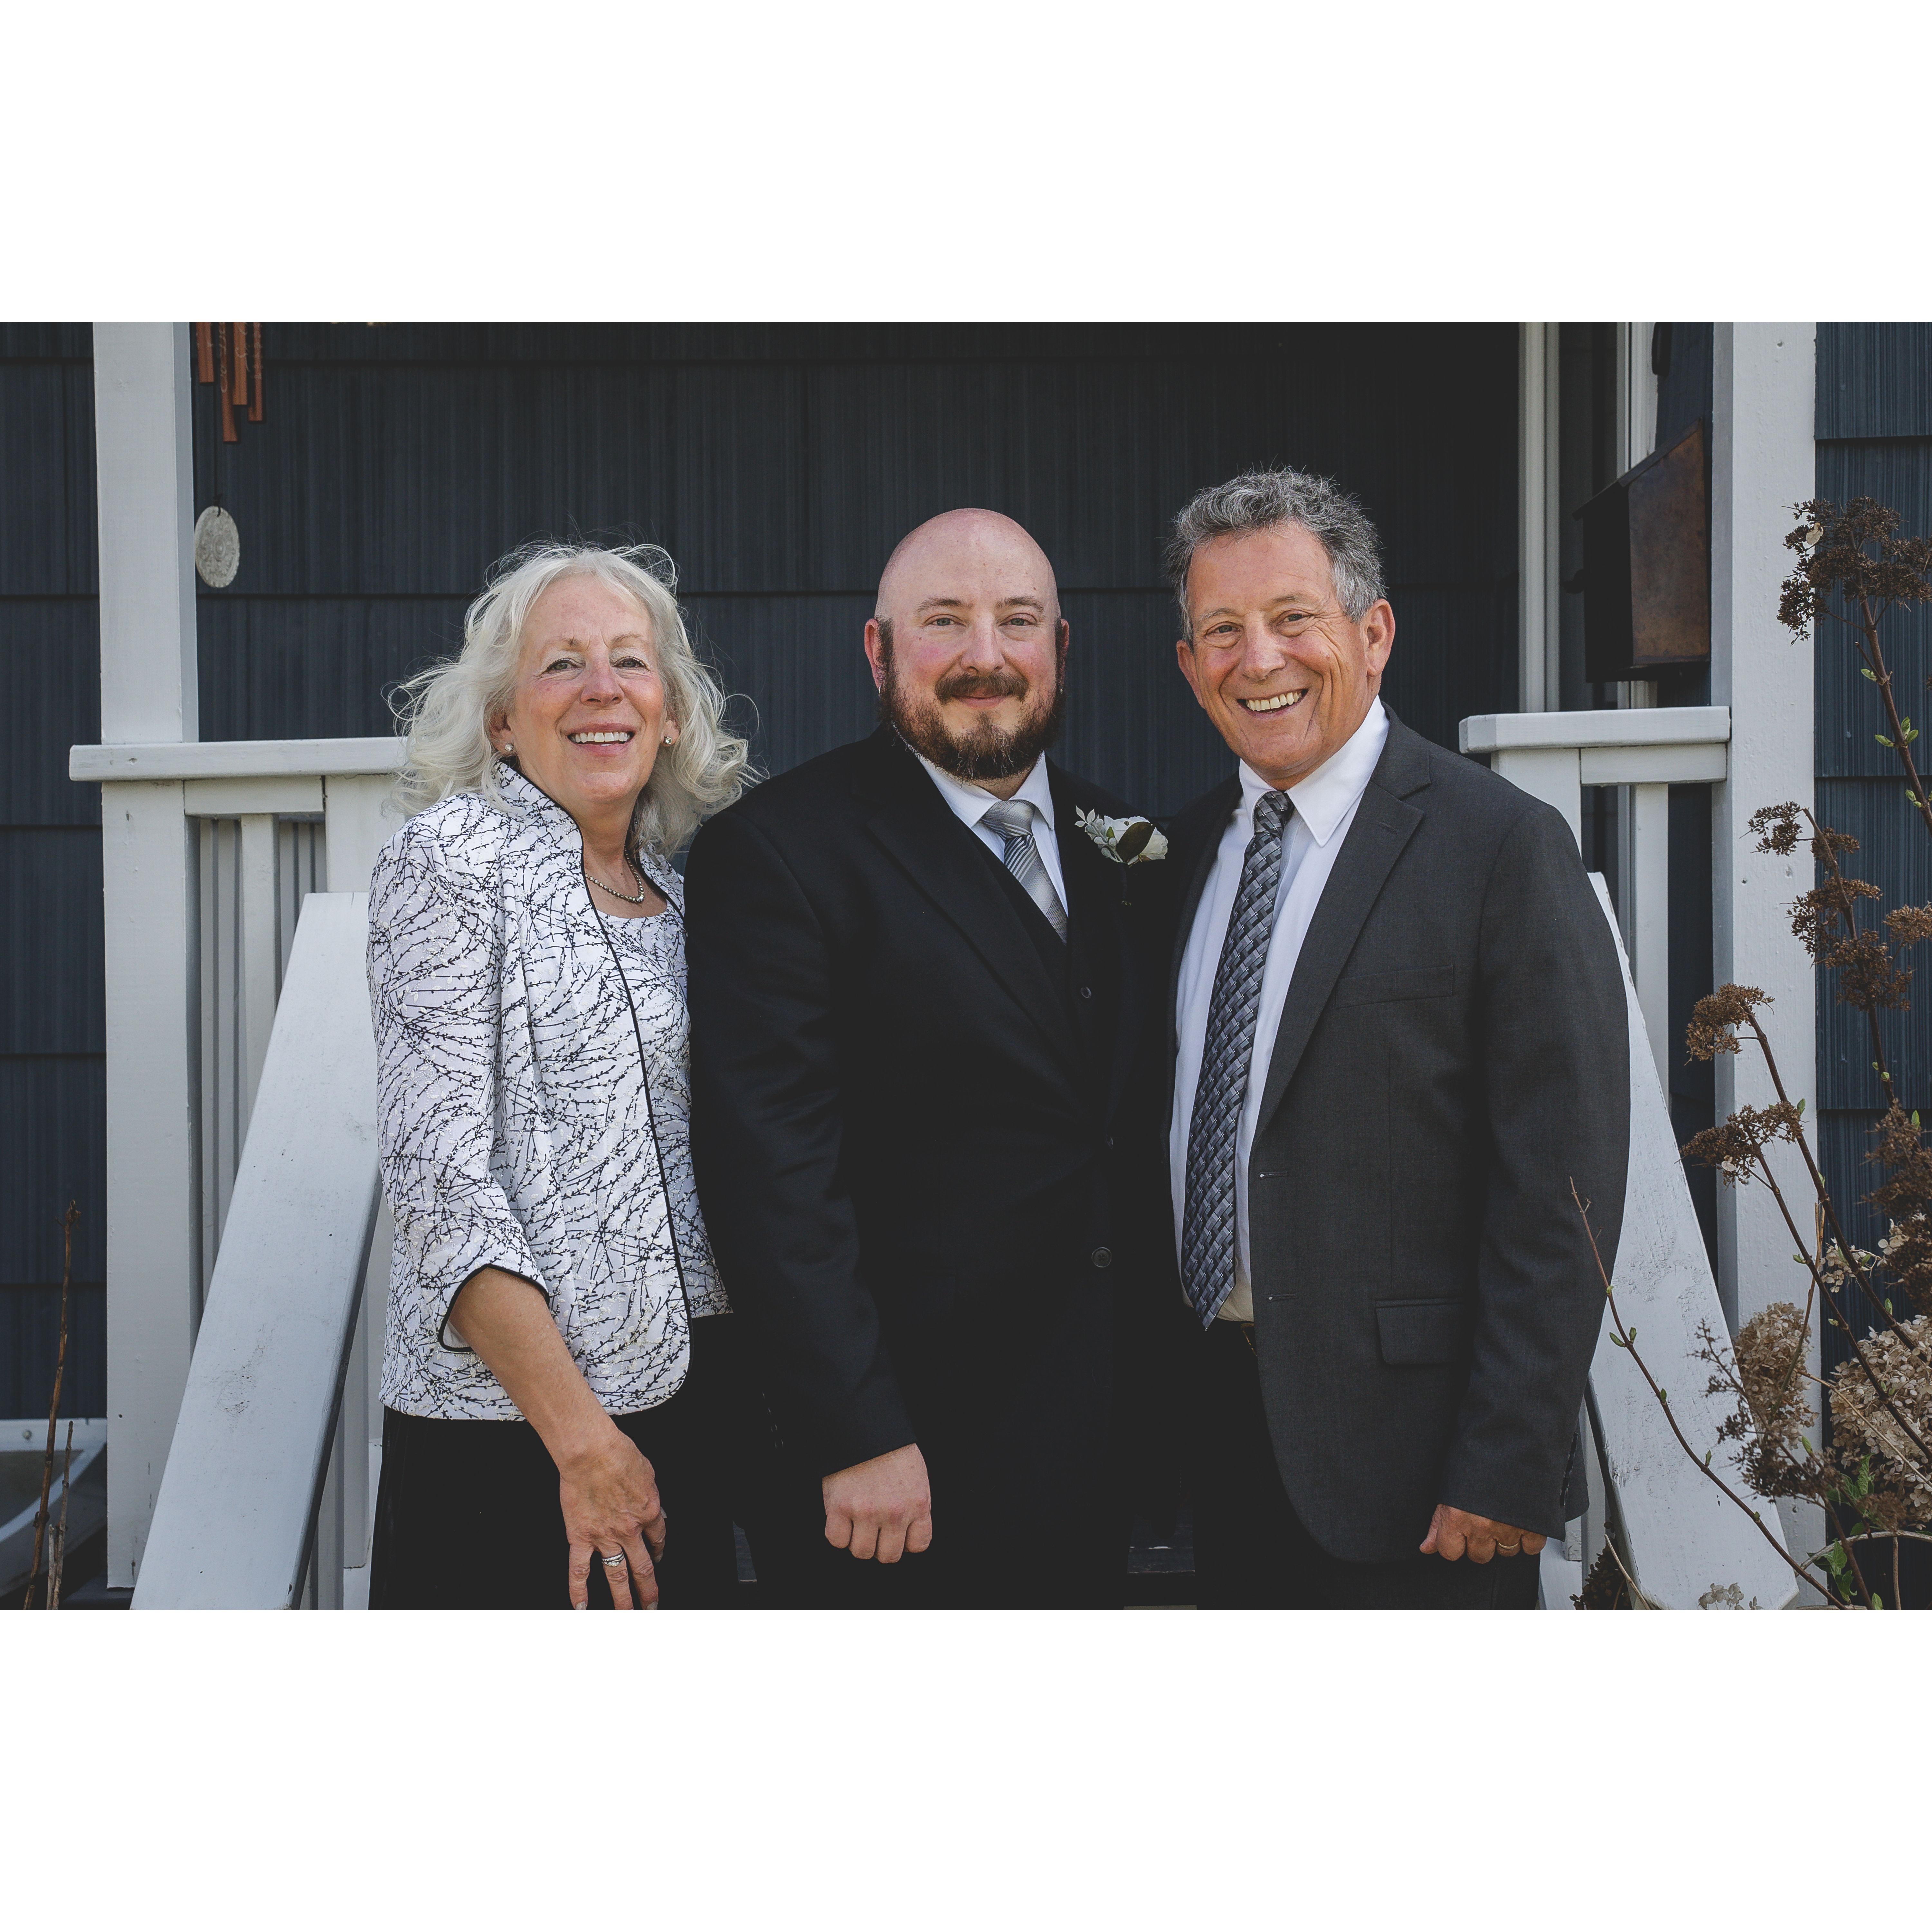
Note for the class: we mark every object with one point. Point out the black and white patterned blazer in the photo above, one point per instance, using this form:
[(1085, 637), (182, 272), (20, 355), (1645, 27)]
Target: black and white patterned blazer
[(533, 1105)]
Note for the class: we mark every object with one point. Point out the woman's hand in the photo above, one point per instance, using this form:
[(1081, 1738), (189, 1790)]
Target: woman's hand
[(609, 1492), (610, 1508)]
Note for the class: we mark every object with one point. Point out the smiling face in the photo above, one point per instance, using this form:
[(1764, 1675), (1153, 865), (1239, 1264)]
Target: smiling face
[(588, 715), (968, 648), (1286, 675)]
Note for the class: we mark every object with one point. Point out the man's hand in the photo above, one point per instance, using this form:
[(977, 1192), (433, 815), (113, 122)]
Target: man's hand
[(1454, 1533), (882, 1508)]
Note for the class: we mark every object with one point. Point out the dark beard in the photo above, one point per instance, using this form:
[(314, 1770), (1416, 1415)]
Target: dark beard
[(985, 752)]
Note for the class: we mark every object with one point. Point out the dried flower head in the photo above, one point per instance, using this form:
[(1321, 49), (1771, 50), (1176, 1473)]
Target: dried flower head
[(1777, 827), (1868, 977), (1825, 919), (1838, 1265), (1904, 1197), (1855, 554), (1716, 1018), (1828, 845), (1869, 1444), (1764, 1371), (1909, 925), (1735, 1146), (1770, 1369)]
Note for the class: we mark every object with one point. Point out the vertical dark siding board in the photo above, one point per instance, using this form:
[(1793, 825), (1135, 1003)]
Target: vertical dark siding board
[(56, 1108), (51, 997), (1894, 855), (1874, 426), (50, 656), (52, 1093), (48, 539), (1874, 379), (1849, 712), (315, 668), (30, 1349), (1684, 389)]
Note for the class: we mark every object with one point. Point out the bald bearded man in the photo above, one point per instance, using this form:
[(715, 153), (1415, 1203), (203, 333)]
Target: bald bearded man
[(925, 1012)]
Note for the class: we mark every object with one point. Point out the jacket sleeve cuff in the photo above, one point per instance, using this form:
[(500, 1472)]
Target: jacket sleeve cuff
[(873, 1424), (1507, 1501), (448, 1263)]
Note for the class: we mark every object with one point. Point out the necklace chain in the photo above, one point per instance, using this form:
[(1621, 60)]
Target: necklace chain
[(626, 897)]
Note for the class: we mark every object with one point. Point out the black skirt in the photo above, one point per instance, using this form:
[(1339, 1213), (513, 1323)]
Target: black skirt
[(468, 1517)]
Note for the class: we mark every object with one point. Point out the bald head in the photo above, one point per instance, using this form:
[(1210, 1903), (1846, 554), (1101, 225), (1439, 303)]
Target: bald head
[(975, 548), (967, 646)]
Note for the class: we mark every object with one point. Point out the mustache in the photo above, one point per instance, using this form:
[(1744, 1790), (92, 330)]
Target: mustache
[(981, 684)]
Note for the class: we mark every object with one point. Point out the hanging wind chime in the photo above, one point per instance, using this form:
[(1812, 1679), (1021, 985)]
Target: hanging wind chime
[(229, 355)]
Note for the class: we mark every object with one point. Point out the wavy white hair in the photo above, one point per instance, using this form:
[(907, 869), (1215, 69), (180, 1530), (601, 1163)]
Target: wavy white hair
[(446, 710)]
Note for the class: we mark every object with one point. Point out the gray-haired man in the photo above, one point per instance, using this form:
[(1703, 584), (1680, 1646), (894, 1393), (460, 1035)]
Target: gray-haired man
[(1399, 1037)]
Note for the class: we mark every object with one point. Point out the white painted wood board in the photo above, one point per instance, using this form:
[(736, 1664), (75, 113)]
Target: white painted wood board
[(1686, 1539), (250, 1450)]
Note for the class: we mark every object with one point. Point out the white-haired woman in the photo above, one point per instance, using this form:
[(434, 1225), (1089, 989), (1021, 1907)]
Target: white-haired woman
[(559, 1380)]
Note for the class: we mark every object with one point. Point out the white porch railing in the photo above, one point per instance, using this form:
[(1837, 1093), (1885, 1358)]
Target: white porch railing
[(213, 850)]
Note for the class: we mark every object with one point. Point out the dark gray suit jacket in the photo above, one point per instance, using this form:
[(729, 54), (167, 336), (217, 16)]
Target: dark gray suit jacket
[(1453, 1053)]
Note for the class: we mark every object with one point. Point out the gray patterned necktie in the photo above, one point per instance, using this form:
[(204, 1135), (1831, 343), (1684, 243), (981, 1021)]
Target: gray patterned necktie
[(1208, 1219), (1012, 818)]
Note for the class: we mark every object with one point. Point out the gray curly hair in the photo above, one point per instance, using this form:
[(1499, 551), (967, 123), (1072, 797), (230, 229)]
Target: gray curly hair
[(446, 709), (1262, 499)]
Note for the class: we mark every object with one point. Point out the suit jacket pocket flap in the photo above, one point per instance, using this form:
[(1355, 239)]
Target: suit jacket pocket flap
[(1412, 982), (1416, 1332)]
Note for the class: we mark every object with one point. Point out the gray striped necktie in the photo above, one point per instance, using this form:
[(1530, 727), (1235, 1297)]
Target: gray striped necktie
[(1207, 1218), (1012, 819)]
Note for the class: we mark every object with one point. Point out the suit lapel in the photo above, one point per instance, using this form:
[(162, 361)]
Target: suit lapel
[(950, 865), (1384, 823)]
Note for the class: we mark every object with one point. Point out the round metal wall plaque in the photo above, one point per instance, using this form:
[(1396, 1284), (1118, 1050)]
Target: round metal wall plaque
[(218, 548)]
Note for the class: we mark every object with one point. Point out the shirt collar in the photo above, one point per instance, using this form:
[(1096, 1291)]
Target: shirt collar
[(970, 801), (1323, 799)]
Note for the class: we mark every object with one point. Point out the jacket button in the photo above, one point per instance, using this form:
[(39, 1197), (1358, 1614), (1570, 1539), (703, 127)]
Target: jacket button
[(1103, 1258), (1086, 992)]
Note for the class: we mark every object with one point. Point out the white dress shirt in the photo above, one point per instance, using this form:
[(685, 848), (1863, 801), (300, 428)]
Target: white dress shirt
[(1324, 807), (969, 803)]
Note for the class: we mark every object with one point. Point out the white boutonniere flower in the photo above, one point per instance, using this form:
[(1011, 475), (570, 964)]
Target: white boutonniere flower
[(1127, 842)]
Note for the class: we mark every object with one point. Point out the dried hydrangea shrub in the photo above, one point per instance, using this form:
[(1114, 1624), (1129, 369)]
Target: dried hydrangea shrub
[(1868, 1442)]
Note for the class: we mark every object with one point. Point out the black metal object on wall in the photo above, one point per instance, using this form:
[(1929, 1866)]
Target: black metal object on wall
[(1647, 566)]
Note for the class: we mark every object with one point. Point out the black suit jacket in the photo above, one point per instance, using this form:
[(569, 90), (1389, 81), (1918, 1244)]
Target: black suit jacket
[(1453, 1053), (923, 1127)]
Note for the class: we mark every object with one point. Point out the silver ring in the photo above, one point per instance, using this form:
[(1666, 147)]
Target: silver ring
[(613, 1562)]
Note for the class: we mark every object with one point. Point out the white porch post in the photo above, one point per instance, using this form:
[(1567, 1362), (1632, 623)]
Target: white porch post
[(1539, 370), (1763, 462), (144, 441)]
